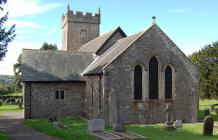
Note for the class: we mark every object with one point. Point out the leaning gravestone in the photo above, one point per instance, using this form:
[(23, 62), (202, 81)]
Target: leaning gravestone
[(208, 126), (95, 125), (178, 123)]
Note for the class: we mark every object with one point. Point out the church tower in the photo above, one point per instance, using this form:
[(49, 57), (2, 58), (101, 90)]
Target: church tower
[(78, 29)]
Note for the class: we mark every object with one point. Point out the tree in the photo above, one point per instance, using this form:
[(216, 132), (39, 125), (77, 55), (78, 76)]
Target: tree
[(6, 35), (47, 46), (206, 61), (17, 74)]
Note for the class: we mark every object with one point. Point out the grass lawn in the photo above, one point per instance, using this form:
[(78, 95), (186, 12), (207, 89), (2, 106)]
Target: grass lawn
[(156, 132), (77, 128), (9, 108), (14, 94), (3, 136)]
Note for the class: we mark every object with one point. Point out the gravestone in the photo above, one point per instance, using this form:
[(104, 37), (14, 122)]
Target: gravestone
[(208, 125), (206, 112), (169, 122), (119, 128), (178, 123), (95, 125)]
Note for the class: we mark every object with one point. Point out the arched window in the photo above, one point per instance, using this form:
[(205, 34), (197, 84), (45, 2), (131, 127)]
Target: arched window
[(83, 34), (168, 83), (138, 83), (153, 78)]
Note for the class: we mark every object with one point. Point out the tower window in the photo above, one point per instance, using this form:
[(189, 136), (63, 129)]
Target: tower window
[(83, 34)]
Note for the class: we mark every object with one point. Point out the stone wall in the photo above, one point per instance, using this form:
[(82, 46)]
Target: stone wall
[(98, 107), (110, 42), (92, 97), (40, 99), (119, 83)]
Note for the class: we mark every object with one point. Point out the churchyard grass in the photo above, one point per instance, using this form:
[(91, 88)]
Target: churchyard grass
[(14, 94), (77, 128), (9, 108), (3, 136), (156, 132)]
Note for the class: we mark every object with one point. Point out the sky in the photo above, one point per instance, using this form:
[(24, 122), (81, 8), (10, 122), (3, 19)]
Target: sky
[(191, 24)]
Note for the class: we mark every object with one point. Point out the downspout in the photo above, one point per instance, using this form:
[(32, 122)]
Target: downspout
[(30, 112)]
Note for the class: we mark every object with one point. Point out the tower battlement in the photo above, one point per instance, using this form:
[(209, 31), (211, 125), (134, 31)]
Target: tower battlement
[(79, 16), (79, 28)]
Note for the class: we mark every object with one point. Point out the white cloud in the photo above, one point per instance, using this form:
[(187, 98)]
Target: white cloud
[(179, 11), (51, 32), (23, 24), (18, 8), (14, 49)]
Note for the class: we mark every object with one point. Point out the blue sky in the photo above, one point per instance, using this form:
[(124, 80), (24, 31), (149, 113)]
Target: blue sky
[(191, 24)]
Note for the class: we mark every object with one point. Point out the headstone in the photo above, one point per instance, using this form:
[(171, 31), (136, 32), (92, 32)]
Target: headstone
[(95, 125), (208, 125), (60, 125), (50, 119), (169, 122), (178, 123), (119, 128), (206, 112)]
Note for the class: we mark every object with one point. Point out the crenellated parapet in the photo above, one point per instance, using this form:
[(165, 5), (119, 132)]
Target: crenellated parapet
[(81, 17)]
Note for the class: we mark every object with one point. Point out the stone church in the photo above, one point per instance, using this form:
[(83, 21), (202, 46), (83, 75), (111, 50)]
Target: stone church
[(121, 79)]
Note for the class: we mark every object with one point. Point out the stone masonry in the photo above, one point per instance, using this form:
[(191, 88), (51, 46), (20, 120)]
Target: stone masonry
[(74, 24), (98, 82), (120, 81), (40, 99)]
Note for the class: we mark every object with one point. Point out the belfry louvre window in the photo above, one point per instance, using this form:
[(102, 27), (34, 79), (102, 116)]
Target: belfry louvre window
[(153, 78), (138, 83), (83, 34), (168, 83)]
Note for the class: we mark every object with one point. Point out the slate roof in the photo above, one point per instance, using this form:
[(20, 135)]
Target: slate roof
[(112, 53), (95, 45), (40, 65)]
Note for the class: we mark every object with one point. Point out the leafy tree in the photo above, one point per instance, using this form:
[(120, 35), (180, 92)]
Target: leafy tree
[(6, 35), (47, 46), (17, 74), (3, 90), (206, 61)]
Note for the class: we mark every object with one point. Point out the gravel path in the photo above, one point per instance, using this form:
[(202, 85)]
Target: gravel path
[(12, 124)]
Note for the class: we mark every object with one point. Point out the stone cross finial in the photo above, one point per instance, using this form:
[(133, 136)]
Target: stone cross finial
[(68, 7), (154, 18), (99, 11)]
